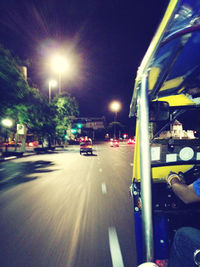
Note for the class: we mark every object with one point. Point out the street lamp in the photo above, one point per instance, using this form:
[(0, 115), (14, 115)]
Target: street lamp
[(59, 65), (115, 106), (7, 123), (52, 83)]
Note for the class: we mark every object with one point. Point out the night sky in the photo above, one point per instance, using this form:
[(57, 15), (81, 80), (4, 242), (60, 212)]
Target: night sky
[(107, 38)]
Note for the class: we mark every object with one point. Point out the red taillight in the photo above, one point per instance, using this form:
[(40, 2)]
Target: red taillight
[(162, 263)]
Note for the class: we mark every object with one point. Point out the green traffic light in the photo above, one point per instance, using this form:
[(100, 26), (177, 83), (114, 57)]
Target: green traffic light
[(73, 131), (79, 125)]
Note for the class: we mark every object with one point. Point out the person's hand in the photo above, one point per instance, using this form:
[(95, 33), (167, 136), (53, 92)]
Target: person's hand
[(173, 177)]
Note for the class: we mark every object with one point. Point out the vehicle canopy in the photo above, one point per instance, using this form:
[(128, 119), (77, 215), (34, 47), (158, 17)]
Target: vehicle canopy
[(169, 72)]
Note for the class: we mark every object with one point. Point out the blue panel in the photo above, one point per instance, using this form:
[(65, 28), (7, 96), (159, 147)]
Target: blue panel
[(161, 237), (138, 236)]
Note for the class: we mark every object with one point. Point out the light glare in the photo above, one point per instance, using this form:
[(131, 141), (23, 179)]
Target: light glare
[(7, 122), (115, 106), (59, 64), (53, 83)]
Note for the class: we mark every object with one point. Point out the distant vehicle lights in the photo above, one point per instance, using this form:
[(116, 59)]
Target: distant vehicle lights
[(114, 143), (32, 144), (131, 141)]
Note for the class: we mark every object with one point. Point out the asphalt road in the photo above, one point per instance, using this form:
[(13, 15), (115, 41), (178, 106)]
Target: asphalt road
[(65, 209)]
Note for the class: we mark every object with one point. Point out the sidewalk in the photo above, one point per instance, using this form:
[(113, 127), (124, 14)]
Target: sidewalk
[(30, 152)]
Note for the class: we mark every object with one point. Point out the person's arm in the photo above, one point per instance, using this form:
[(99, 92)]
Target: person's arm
[(185, 192)]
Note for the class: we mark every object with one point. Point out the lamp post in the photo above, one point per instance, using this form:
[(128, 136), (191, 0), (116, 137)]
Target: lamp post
[(115, 106), (59, 65), (52, 83)]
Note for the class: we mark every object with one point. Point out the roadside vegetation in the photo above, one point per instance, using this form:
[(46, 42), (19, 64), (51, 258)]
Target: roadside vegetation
[(27, 106)]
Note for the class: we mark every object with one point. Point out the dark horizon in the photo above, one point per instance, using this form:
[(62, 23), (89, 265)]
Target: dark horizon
[(109, 39)]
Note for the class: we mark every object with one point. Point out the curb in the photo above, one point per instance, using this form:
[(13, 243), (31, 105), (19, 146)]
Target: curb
[(26, 154), (2, 159)]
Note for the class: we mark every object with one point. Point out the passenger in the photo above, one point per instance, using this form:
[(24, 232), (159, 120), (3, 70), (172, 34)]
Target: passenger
[(187, 193), (185, 249)]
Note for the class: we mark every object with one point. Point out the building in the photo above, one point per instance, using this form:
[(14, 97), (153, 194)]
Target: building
[(177, 132)]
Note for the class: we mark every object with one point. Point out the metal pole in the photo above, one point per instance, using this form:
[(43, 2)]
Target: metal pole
[(49, 91), (145, 171), (115, 119), (59, 83)]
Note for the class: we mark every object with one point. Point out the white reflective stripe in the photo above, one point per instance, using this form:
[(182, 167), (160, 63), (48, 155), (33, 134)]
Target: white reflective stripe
[(115, 251), (13, 157)]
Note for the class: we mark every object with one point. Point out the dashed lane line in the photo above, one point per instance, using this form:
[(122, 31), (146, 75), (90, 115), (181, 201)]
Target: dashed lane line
[(103, 188), (116, 255)]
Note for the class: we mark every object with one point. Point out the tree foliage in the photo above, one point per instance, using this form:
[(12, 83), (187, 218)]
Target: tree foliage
[(26, 105), (12, 81), (65, 106)]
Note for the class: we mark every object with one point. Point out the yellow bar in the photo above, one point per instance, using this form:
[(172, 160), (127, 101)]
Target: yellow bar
[(136, 160)]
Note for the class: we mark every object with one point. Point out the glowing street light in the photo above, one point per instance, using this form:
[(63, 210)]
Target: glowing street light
[(7, 123), (115, 106), (59, 65), (52, 83)]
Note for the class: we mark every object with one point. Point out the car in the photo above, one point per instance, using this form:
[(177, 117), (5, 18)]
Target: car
[(32, 144), (114, 143), (131, 141), (86, 146)]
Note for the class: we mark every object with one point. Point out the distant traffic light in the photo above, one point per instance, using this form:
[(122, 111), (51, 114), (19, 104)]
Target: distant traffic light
[(73, 131), (79, 125)]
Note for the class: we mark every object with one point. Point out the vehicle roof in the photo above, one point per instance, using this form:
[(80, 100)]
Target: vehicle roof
[(172, 61)]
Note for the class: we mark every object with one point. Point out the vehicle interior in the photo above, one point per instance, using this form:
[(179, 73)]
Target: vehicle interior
[(166, 103), (174, 146)]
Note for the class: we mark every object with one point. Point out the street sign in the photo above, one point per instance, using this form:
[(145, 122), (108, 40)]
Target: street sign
[(20, 129)]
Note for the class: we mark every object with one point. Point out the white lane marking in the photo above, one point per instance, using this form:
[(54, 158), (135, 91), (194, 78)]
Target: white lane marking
[(115, 250), (103, 188), (131, 164), (100, 170)]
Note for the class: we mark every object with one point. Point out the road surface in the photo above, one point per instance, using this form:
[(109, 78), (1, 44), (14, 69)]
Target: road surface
[(64, 209)]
